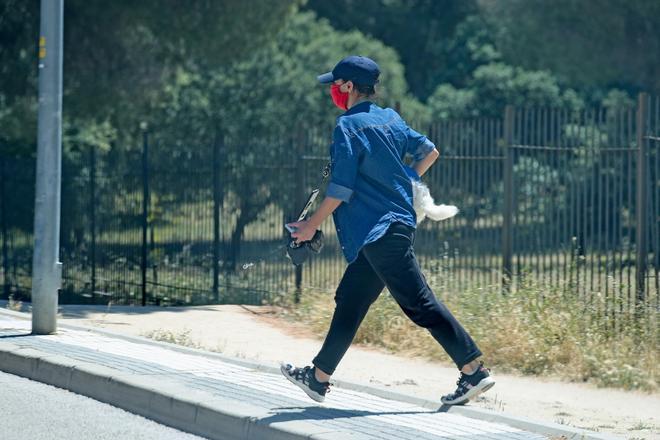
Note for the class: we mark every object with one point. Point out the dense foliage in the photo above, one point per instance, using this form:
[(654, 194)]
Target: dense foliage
[(243, 73), (252, 65)]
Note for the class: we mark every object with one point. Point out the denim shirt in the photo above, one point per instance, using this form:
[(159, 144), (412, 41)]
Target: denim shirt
[(369, 176)]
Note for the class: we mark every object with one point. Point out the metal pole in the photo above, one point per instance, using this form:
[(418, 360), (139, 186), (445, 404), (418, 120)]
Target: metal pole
[(299, 198), (3, 221), (92, 210), (145, 209), (507, 224), (216, 216), (46, 268), (641, 211)]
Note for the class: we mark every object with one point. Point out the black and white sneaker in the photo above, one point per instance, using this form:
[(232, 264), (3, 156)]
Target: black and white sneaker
[(469, 386), (305, 379)]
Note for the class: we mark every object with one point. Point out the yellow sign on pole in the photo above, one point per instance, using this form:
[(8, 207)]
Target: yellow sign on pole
[(42, 47)]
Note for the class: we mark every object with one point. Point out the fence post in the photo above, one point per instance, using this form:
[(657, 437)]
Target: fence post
[(145, 208), (216, 214), (507, 223), (300, 200), (6, 287), (642, 200), (92, 209)]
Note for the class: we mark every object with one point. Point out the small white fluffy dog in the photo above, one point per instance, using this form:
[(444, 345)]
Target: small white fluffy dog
[(425, 206)]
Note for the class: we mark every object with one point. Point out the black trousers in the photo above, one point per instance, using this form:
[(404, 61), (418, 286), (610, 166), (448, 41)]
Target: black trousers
[(390, 261)]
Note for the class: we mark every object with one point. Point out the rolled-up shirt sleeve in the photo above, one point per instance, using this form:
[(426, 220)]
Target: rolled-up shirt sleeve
[(344, 157), (418, 145)]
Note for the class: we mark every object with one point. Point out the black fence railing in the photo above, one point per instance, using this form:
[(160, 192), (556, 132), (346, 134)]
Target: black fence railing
[(566, 198)]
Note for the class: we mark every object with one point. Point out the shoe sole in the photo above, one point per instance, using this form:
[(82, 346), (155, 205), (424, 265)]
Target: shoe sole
[(484, 385), (311, 393)]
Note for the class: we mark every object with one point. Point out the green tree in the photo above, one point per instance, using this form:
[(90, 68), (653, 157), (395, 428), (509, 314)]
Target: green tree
[(18, 37), (117, 57), (591, 45), (423, 32), (493, 86)]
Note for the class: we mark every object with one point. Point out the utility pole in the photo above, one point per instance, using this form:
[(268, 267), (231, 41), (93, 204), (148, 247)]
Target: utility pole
[(46, 267)]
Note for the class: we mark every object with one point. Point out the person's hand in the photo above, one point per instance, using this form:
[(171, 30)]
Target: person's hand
[(304, 231)]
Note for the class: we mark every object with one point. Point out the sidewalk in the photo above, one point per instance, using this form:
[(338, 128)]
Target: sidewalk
[(222, 398)]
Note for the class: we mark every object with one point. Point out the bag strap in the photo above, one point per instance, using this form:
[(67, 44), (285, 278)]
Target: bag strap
[(325, 173)]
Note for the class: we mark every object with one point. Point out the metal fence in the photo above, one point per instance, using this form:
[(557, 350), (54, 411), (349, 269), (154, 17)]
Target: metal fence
[(569, 199)]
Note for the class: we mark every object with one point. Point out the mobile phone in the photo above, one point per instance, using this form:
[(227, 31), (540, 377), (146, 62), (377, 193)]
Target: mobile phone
[(290, 228)]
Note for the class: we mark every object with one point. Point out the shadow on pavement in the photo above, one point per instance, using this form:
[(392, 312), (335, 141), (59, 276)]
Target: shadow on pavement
[(15, 335), (285, 414), (83, 311)]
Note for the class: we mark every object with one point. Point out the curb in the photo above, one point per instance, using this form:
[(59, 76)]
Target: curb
[(59, 371), (198, 412)]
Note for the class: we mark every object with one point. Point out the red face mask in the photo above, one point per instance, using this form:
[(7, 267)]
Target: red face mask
[(338, 97)]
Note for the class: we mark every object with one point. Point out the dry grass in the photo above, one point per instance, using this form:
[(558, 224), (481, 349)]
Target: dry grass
[(14, 305), (535, 330), (173, 337)]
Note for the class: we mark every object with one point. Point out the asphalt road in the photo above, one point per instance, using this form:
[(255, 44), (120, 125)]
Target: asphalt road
[(33, 411)]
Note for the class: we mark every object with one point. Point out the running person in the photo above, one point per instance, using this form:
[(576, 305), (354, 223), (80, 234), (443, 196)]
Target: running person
[(370, 198)]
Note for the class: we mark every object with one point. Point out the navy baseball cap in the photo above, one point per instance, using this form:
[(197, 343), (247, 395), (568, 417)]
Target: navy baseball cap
[(360, 70)]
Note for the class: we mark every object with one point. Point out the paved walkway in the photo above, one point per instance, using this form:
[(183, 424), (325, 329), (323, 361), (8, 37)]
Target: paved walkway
[(212, 396)]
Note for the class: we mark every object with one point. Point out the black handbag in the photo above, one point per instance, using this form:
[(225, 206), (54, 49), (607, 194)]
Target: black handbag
[(298, 253)]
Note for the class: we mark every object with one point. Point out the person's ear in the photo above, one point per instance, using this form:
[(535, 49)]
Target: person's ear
[(347, 87)]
